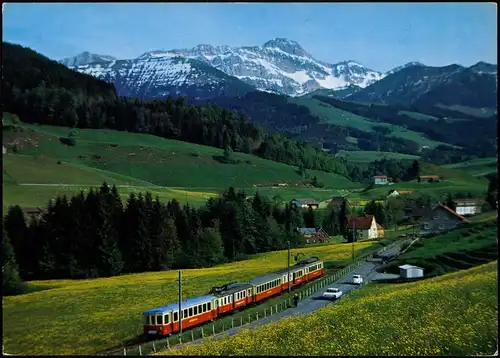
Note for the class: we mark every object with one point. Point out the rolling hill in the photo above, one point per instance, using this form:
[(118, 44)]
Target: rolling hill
[(141, 161)]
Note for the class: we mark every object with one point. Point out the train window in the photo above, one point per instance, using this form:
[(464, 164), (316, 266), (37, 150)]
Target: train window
[(153, 319), (159, 319), (184, 313), (190, 312), (165, 319), (209, 305), (244, 294), (195, 310), (176, 316), (204, 307)]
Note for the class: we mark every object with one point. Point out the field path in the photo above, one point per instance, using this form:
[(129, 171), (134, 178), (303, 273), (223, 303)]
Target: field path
[(367, 270)]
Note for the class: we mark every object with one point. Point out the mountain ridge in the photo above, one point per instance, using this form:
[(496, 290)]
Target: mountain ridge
[(279, 66)]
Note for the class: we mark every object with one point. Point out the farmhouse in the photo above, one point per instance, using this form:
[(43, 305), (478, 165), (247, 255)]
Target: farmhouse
[(313, 235), (305, 203), (439, 219), (410, 271), (468, 206), (394, 192), (364, 225), (338, 201), (428, 179), (380, 180), (36, 212)]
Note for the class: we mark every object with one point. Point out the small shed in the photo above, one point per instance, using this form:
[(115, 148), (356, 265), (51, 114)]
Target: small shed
[(410, 271)]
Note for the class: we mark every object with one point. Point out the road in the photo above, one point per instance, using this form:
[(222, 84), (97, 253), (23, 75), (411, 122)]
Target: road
[(367, 270)]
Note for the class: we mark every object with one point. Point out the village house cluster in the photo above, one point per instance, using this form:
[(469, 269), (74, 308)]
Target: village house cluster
[(365, 227)]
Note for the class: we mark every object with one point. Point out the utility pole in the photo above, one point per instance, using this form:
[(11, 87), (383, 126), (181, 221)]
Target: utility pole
[(288, 276), (353, 238), (180, 300)]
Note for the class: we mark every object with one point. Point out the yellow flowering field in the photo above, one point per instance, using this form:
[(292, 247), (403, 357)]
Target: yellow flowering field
[(88, 316), (455, 315)]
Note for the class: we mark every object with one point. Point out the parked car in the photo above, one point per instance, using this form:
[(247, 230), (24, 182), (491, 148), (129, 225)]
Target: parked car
[(332, 293), (357, 280)]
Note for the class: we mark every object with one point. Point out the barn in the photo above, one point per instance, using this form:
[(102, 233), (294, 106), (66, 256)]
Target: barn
[(410, 271)]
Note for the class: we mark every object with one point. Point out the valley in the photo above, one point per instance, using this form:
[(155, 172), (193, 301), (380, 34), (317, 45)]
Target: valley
[(232, 173)]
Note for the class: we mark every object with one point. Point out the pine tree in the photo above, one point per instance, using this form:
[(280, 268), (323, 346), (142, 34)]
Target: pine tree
[(15, 227), (343, 214), (450, 203), (211, 247), (75, 257), (11, 282), (108, 258), (331, 222), (309, 217)]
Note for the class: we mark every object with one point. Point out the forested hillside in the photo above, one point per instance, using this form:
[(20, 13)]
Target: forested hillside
[(474, 134), (96, 234), (39, 90)]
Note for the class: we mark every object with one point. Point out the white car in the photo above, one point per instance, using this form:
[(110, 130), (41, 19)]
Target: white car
[(357, 280), (332, 293)]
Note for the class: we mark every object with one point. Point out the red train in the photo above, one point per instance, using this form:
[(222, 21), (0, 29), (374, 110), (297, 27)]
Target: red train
[(164, 320)]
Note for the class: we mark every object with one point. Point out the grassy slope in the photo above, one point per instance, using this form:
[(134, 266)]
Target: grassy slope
[(133, 159), (418, 116), (370, 156), (86, 316), (380, 320), (464, 247), (343, 118), (476, 167), (478, 112), (454, 181)]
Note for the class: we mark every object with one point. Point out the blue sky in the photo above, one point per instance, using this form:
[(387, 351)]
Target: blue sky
[(378, 35)]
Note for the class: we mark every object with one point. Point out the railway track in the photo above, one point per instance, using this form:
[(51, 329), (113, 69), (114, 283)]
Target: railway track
[(133, 348)]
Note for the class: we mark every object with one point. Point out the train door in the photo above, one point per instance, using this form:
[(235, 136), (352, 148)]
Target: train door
[(213, 308), (249, 295)]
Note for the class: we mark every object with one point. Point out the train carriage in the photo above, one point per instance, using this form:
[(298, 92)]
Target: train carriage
[(266, 286), (232, 296), (303, 271), (315, 270), (164, 320)]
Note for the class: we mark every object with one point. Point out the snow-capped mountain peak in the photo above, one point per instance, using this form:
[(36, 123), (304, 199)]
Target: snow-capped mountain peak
[(288, 46), (399, 68), (279, 65), (86, 58)]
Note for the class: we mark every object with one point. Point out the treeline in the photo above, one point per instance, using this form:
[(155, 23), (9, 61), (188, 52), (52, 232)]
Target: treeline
[(476, 135), (276, 113), (395, 169), (96, 235), (39, 90)]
